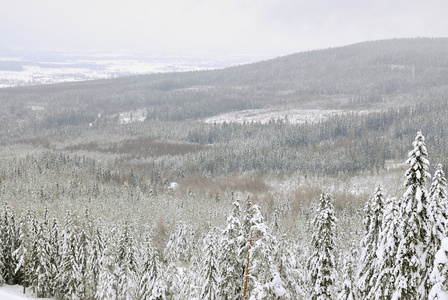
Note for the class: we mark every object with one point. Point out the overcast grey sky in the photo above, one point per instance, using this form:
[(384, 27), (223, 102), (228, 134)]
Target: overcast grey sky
[(263, 27)]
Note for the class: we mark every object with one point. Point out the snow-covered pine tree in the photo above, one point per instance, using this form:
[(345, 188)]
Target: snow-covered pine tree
[(23, 253), (411, 278), (40, 266), (438, 216), (208, 268), (230, 264), (54, 255), (10, 242), (69, 278), (322, 274), (264, 280), (349, 290), (96, 253), (439, 275), (151, 286), (384, 265), (173, 281), (373, 221), (107, 277), (180, 244), (127, 264), (288, 268)]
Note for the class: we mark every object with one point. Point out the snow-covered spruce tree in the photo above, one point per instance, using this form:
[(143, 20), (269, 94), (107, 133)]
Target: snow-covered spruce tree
[(151, 286), (411, 278), (189, 283), (389, 238), (69, 278), (54, 255), (10, 242), (40, 263), (208, 267), (180, 244), (263, 278), (96, 253), (107, 277), (322, 274), (23, 253), (127, 265), (439, 275), (173, 281), (349, 290), (438, 215), (288, 268), (230, 264), (373, 221)]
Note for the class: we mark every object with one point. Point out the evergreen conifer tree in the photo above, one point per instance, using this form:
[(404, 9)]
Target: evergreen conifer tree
[(229, 258), (151, 286), (389, 239), (264, 280), (289, 269), (374, 210), (54, 255), (40, 266), (208, 269), (23, 252), (438, 217), (10, 242), (107, 287), (69, 278), (349, 290), (411, 278), (127, 265), (322, 275), (94, 260), (439, 275)]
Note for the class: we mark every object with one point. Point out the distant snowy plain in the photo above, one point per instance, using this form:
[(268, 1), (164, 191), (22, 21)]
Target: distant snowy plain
[(33, 67)]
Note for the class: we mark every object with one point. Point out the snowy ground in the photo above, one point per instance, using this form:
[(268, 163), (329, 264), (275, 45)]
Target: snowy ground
[(15, 292), (294, 116)]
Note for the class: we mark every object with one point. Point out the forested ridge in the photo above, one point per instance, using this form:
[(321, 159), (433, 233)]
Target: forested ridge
[(121, 189)]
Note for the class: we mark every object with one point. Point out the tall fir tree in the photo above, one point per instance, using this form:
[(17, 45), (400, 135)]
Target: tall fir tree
[(69, 278), (439, 274), (151, 286), (349, 290), (389, 238), (264, 280), (208, 268), (127, 264), (411, 272), (10, 242), (374, 210), (24, 250), (40, 266), (54, 251), (438, 217), (229, 258), (322, 274)]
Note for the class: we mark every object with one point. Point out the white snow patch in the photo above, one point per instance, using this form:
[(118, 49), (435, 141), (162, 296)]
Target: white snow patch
[(294, 116), (35, 108), (15, 292), (137, 115)]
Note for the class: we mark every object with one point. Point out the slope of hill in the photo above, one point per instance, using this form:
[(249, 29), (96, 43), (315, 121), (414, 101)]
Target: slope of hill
[(368, 75)]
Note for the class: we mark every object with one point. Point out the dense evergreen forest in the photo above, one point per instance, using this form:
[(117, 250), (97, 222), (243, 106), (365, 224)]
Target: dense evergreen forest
[(121, 189)]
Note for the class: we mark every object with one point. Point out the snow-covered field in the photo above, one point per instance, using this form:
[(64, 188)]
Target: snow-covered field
[(15, 292), (294, 116), (27, 67)]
